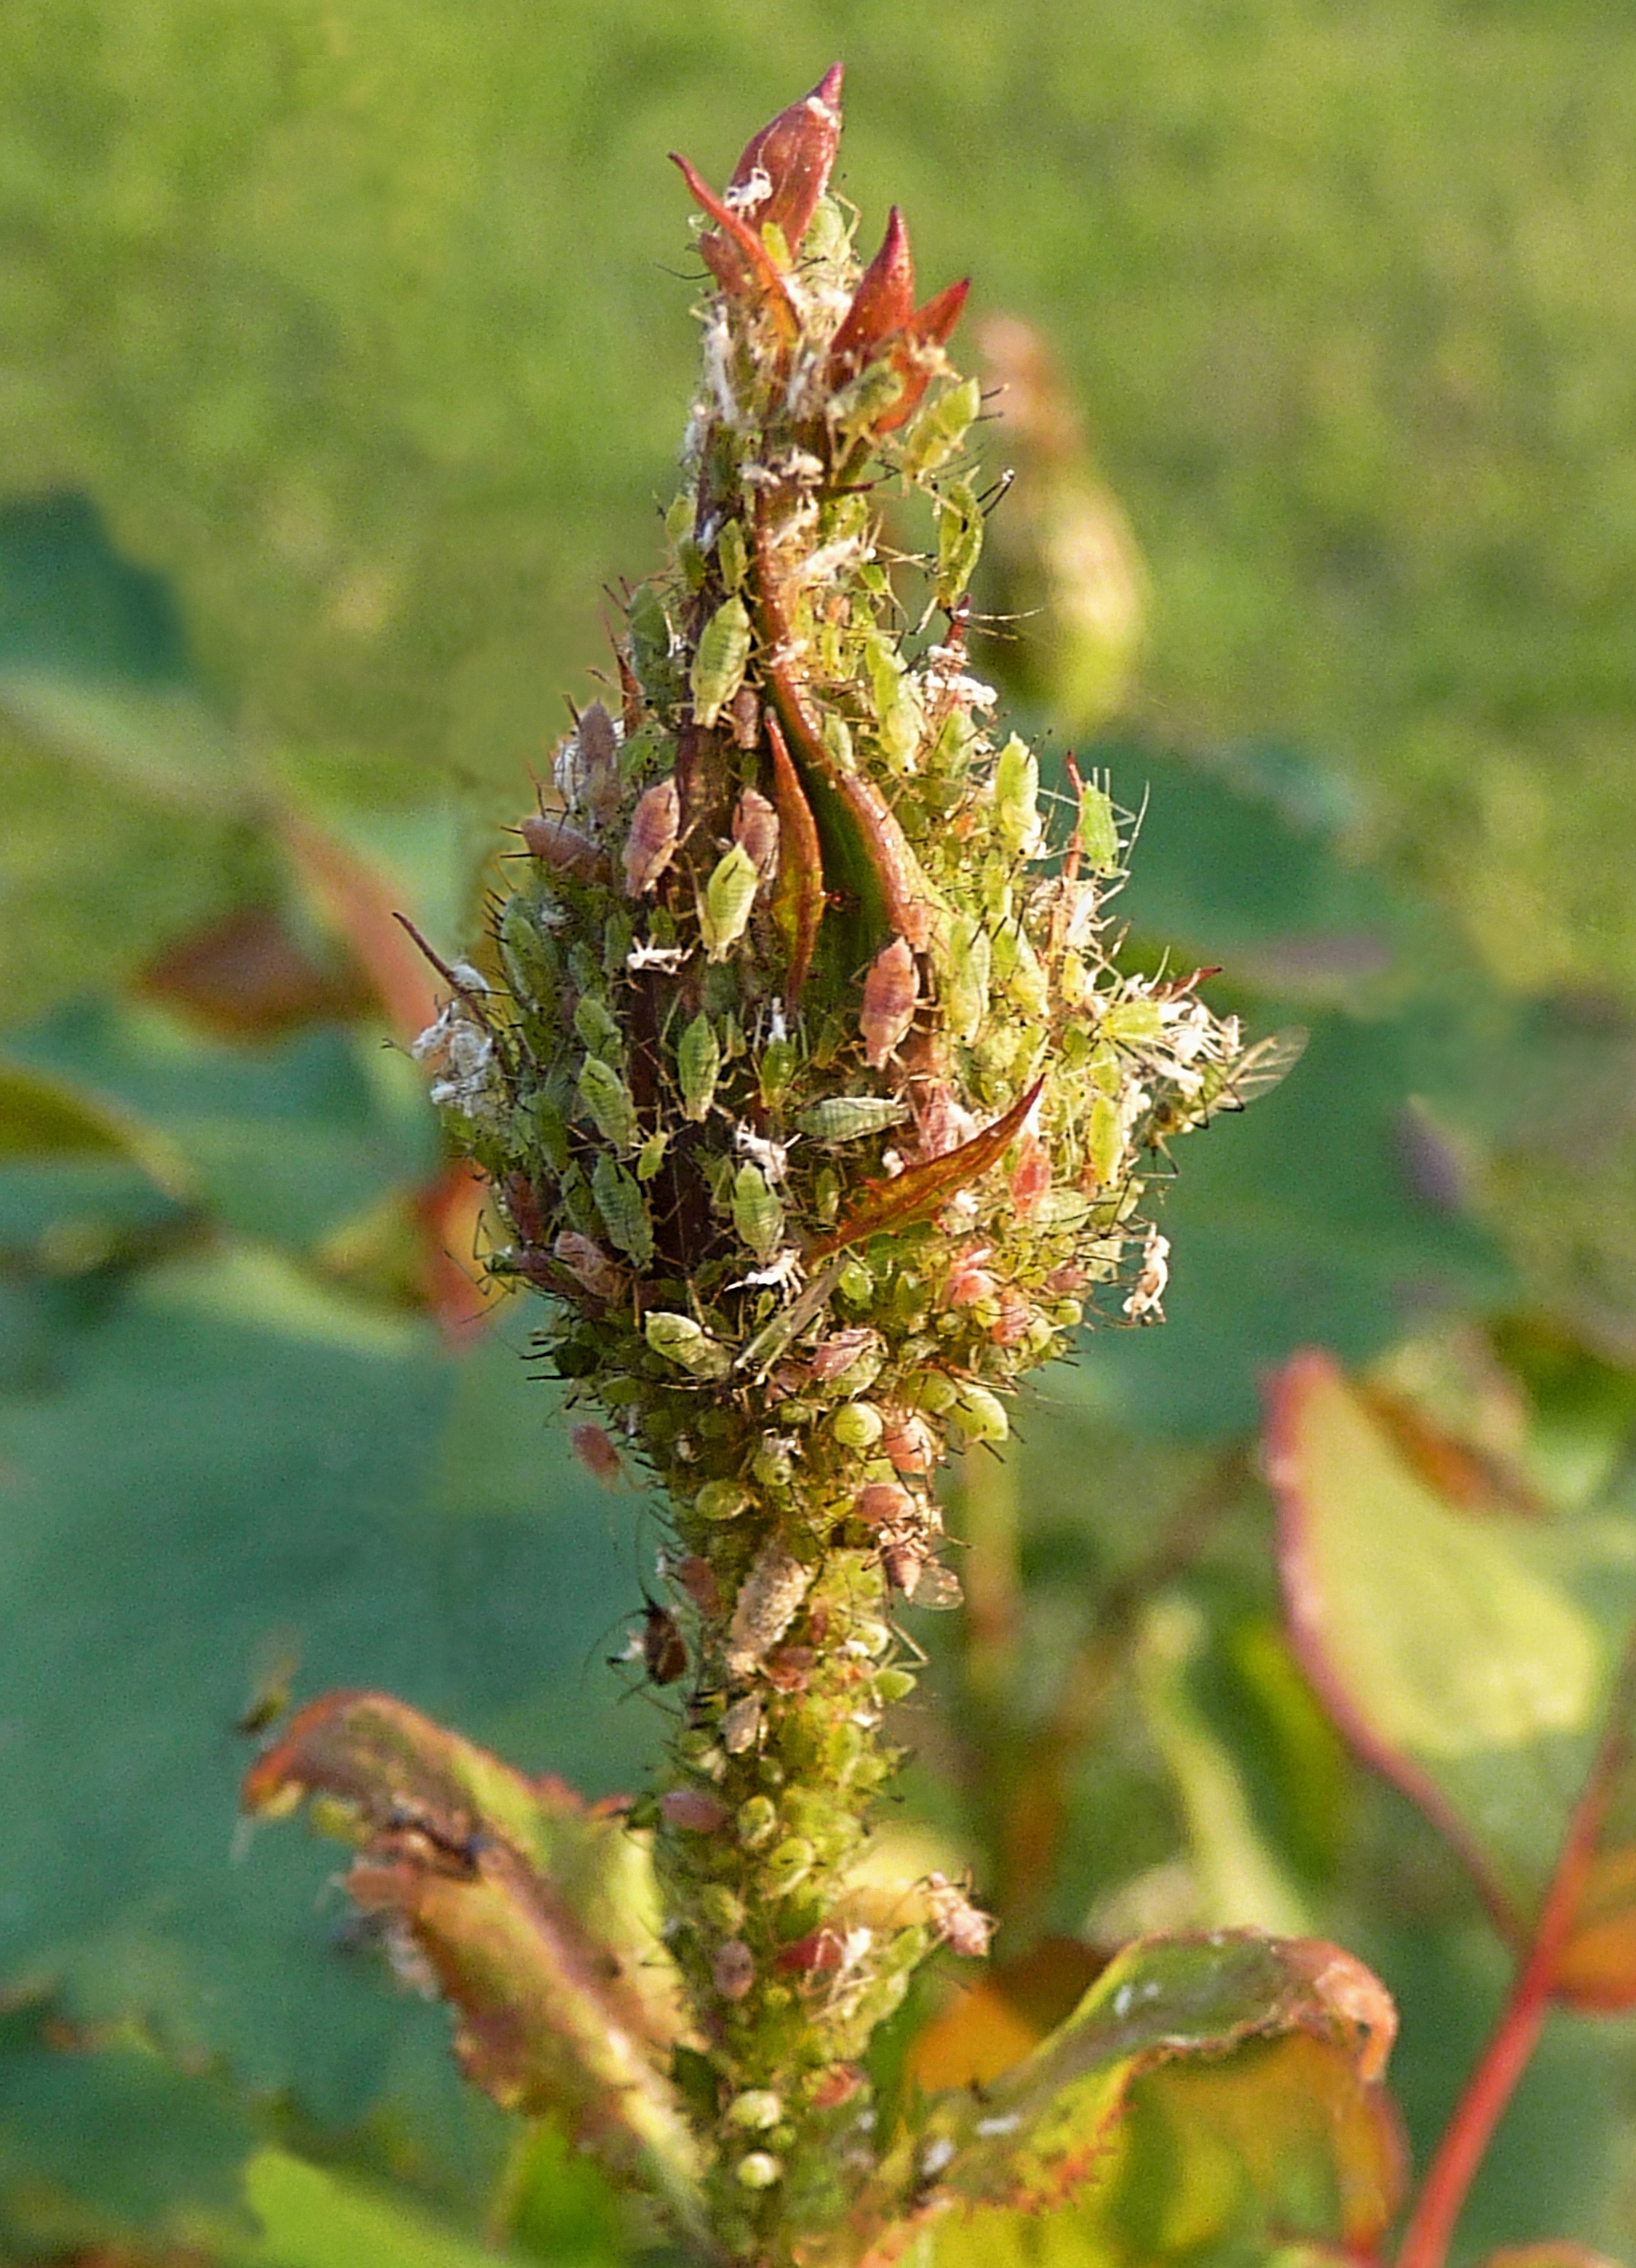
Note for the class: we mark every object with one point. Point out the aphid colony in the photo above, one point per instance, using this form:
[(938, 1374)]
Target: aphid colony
[(810, 1095)]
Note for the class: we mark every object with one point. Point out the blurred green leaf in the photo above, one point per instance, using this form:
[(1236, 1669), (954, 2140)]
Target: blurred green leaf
[(112, 2143), (219, 1464), (1472, 1657), (312, 2218)]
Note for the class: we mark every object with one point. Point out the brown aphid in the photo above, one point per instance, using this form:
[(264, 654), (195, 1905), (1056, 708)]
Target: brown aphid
[(594, 765), (697, 1578), (882, 1503), (563, 849), (733, 1969), (664, 1649), (692, 1810), (789, 1669), (651, 845), (595, 1451), (891, 994), (909, 1442), (744, 716), (963, 1927), (589, 1265), (841, 1350), (755, 831)]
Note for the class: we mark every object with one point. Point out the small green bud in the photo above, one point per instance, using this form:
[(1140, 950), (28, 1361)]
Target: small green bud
[(759, 2170), (893, 1685), (933, 1390), (772, 1464)]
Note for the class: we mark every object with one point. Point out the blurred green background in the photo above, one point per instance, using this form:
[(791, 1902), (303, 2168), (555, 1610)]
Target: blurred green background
[(346, 347)]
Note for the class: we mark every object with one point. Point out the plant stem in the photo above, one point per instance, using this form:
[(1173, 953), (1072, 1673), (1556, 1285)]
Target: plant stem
[(1465, 2139)]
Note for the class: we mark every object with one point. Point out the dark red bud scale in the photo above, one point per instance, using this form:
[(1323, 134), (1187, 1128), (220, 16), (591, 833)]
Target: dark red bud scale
[(736, 256), (793, 154), (883, 303)]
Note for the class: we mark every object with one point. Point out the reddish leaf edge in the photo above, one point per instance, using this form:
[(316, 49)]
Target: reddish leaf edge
[(1283, 1394)]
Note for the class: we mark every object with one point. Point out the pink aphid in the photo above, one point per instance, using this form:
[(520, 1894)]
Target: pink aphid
[(820, 1949), (595, 1451), (1031, 1176), (755, 831), (691, 1810), (651, 845), (891, 994), (969, 1279), (841, 1350), (1015, 1315), (588, 1264), (697, 1578), (963, 1927), (732, 1970), (883, 1504), (565, 849), (909, 1443)]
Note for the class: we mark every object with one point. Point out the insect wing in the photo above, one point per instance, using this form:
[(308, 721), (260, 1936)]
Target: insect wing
[(1267, 1064), (936, 1587)]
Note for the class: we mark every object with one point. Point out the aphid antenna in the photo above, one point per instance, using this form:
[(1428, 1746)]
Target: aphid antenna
[(995, 495)]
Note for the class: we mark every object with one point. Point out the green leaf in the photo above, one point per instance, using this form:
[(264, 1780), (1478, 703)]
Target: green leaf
[(112, 2144), (538, 1919), (312, 2218), (214, 1467), (1469, 1656), (1275, 2044)]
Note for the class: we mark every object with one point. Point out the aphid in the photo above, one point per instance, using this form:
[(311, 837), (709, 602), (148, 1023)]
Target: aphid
[(1031, 1176), (692, 1810), (587, 1262), (624, 1210), (770, 1598), (755, 831), (908, 1561), (588, 766), (741, 1724), (596, 1453), (650, 844), (757, 1216), (719, 659), (841, 1350), (697, 1578), (891, 993), (1147, 1293), (850, 1117), (963, 1927), (664, 1650), (882, 1503), (698, 1066), (725, 904), (969, 957), (909, 1443), (969, 1279), (277, 1660), (607, 1099), (733, 1968), (563, 849), (686, 1343)]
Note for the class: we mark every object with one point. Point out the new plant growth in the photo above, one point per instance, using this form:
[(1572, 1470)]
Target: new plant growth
[(814, 1101)]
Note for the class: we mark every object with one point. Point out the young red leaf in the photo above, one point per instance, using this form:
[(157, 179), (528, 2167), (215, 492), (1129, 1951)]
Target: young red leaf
[(786, 168)]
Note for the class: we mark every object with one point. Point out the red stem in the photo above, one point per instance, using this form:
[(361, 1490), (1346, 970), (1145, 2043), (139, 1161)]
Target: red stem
[(1465, 2139)]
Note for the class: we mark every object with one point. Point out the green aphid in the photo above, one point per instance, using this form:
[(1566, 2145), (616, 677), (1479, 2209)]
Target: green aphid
[(936, 434), (597, 1028), (529, 959), (698, 1066), (724, 906), (900, 721), (731, 554), (652, 1155), (542, 1124), (1096, 831), (1104, 1141), (688, 1344), (651, 643), (967, 957), (757, 1215), (718, 665), (607, 1099), (847, 1117), (959, 542), (780, 1059), (837, 736), (1016, 798), (624, 1210), (1133, 1021), (869, 396)]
